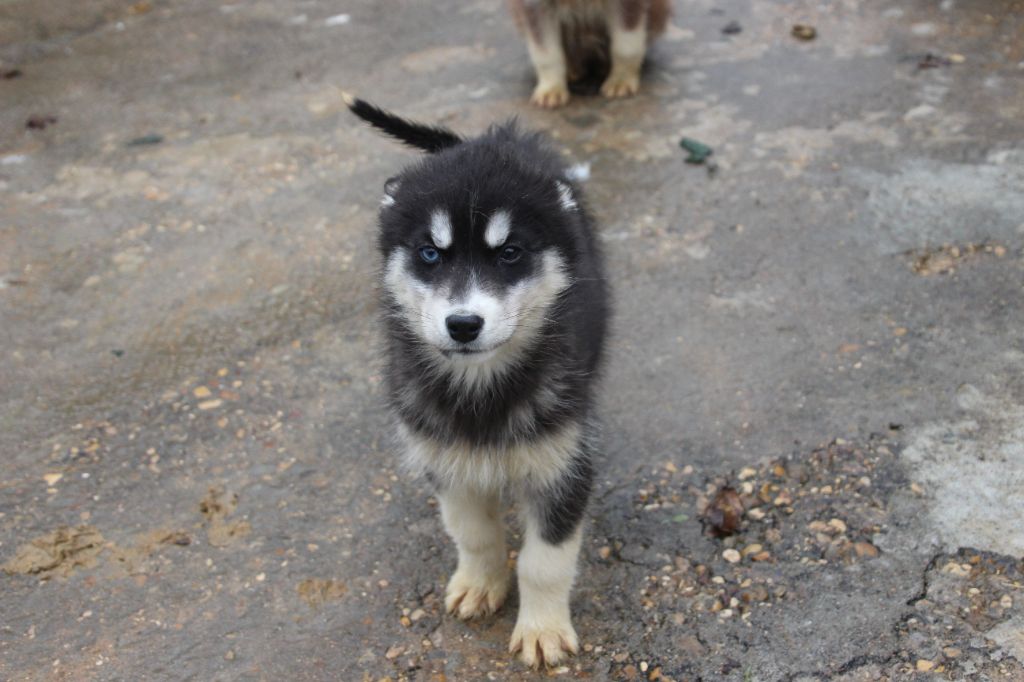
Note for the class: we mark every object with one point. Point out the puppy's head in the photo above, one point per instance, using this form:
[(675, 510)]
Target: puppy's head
[(477, 241)]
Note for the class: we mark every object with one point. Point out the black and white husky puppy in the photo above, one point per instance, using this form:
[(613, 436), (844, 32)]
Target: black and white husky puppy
[(495, 309)]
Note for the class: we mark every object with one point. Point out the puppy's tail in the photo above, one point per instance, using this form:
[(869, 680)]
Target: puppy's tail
[(428, 138)]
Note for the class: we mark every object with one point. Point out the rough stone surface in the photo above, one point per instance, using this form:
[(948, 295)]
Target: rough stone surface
[(195, 475)]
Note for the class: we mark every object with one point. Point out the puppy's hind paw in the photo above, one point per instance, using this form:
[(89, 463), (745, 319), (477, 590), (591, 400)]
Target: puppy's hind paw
[(544, 644), (550, 95), (472, 596)]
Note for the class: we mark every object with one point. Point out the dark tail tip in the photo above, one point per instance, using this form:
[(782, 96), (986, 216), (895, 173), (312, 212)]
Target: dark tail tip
[(419, 135)]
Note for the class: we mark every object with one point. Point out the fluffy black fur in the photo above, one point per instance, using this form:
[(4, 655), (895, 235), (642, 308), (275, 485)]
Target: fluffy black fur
[(552, 380)]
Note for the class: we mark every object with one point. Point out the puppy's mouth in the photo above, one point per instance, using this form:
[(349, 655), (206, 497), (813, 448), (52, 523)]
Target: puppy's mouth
[(469, 352), (458, 352)]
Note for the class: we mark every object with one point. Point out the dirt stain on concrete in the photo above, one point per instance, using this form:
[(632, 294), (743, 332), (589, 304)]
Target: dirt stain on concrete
[(60, 552), (947, 258), (318, 591), (63, 551), (216, 507), (132, 559)]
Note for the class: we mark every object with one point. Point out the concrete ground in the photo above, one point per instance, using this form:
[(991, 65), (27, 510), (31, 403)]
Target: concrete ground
[(196, 479)]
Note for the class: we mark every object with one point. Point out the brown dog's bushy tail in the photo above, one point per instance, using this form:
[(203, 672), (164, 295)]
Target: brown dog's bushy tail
[(419, 135)]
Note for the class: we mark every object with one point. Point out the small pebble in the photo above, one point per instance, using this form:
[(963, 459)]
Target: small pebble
[(731, 555), (959, 570), (865, 549), (804, 32)]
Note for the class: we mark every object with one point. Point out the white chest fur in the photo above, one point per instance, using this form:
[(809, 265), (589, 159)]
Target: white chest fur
[(537, 463)]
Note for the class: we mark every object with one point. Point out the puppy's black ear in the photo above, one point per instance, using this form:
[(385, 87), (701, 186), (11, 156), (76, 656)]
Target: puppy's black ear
[(421, 136), (390, 189)]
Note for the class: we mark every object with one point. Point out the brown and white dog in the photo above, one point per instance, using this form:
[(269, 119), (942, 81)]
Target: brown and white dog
[(565, 36)]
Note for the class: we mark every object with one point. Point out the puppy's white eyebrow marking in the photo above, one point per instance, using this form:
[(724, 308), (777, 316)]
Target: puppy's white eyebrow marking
[(565, 196), (441, 229), (497, 230)]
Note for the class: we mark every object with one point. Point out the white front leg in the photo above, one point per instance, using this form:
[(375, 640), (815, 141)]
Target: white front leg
[(480, 583), (544, 632)]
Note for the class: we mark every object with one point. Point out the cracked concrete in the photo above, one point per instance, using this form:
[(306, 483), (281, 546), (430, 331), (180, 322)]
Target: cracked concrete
[(197, 314)]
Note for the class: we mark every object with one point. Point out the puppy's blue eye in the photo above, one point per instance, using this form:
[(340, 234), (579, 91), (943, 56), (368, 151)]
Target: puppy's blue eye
[(510, 254), (429, 254)]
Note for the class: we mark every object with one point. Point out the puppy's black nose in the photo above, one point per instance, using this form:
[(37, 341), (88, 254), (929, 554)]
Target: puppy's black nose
[(464, 328)]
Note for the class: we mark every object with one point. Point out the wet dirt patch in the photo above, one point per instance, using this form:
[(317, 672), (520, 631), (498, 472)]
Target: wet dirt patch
[(945, 260), (60, 552), (216, 507), (316, 591)]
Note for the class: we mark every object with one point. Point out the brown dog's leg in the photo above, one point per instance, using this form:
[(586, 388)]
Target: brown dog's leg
[(627, 26), (539, 23)]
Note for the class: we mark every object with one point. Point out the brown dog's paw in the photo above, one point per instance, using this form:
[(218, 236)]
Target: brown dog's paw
[(621, 85), (550, 95)]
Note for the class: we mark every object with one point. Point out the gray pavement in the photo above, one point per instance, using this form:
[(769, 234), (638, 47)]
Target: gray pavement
[(196, 480)]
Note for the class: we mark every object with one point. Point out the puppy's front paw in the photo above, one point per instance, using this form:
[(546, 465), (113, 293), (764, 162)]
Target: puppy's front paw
[(469, 595), (550, 95), (544, 643), (621, 84)]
